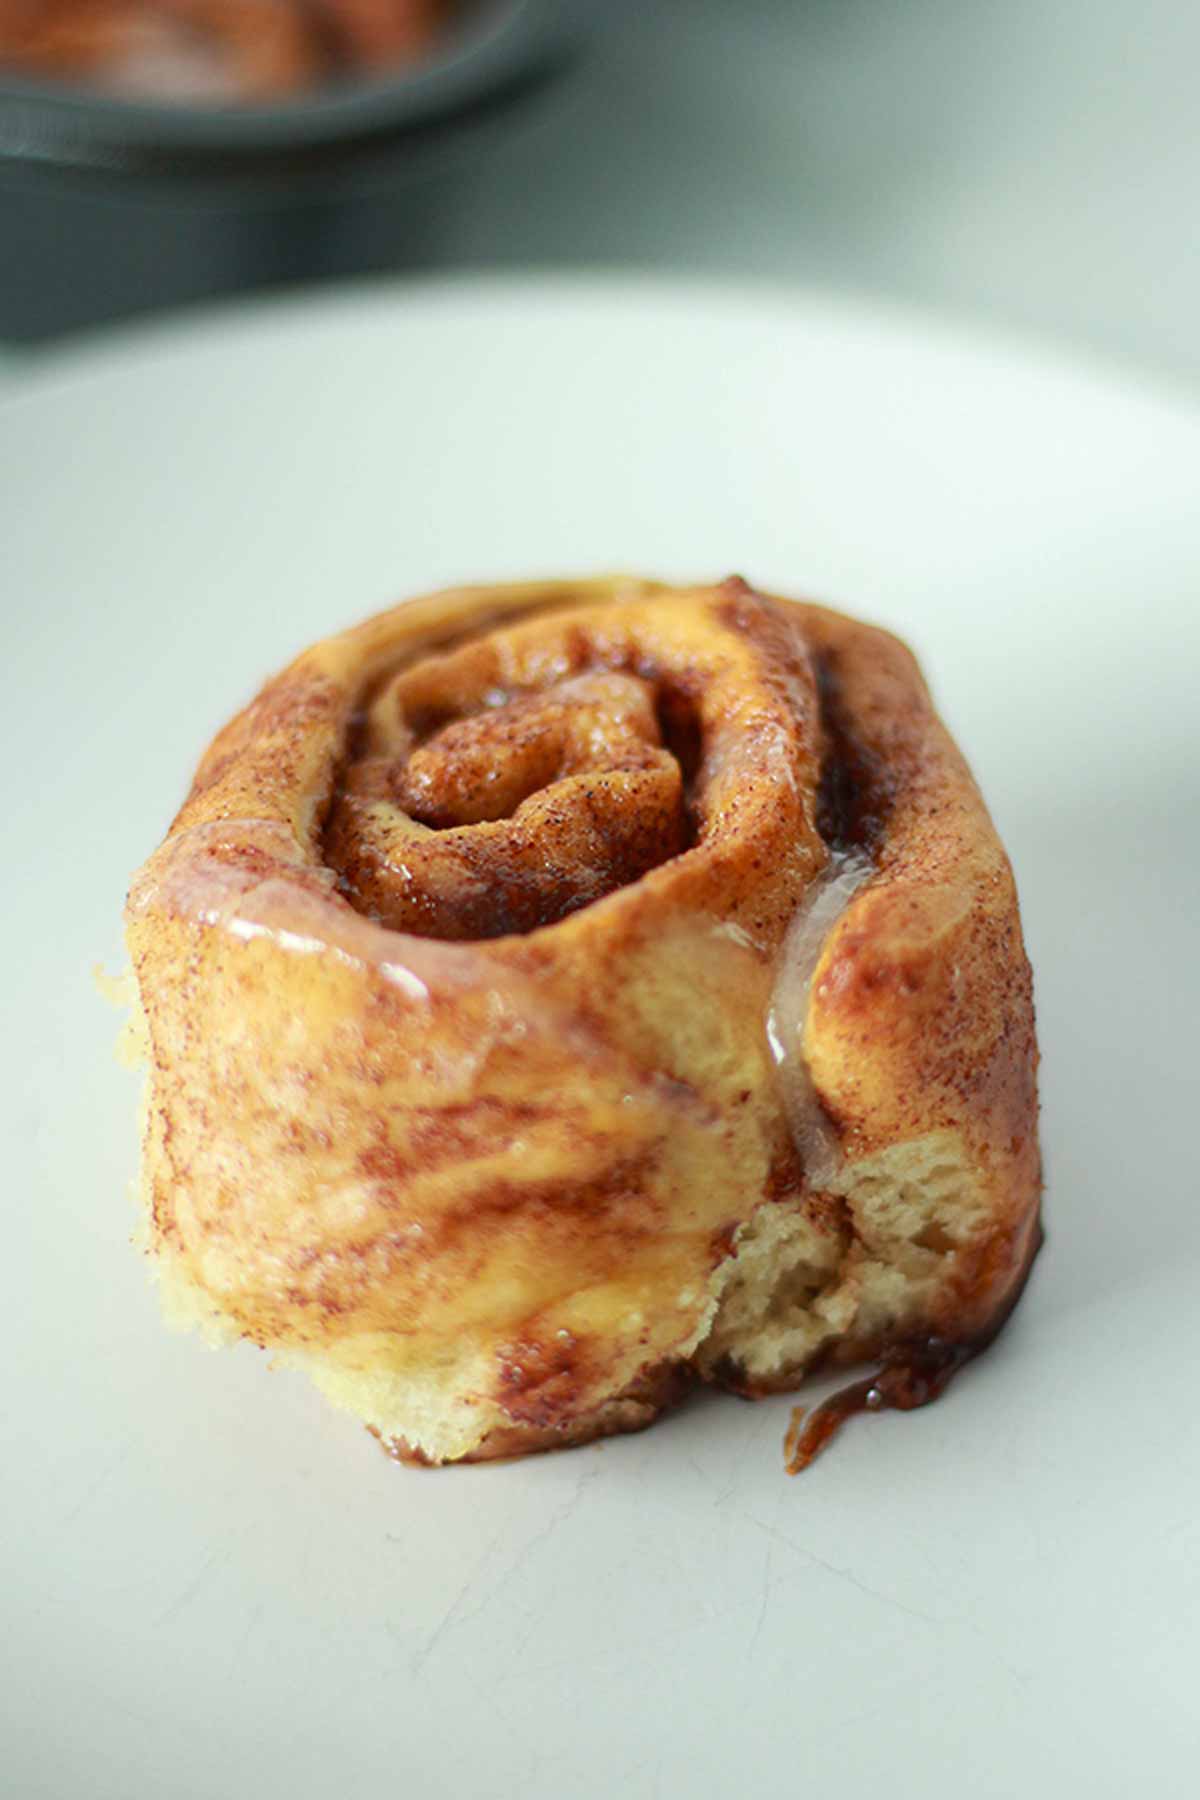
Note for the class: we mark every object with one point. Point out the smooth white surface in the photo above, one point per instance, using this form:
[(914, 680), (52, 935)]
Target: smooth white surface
[(214, 1586)]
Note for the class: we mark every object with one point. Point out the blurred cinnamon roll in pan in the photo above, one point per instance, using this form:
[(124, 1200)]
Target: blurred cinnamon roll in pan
[(216, 51), (559, 994)]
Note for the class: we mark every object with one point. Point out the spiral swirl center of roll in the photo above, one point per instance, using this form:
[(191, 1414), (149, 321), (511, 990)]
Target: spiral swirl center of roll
[(504, 784)]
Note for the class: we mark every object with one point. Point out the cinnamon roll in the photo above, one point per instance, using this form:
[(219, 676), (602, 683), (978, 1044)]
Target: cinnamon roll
[(556, 995)]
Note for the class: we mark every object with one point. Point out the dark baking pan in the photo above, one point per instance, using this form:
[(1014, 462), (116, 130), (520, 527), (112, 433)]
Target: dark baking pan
[(110, 207)]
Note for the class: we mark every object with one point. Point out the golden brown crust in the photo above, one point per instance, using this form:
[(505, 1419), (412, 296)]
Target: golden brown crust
[(921, 1014), (457, 964), (638, 1407)]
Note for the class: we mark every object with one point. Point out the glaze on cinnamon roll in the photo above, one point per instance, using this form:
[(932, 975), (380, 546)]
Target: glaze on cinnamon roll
[(560, 994)]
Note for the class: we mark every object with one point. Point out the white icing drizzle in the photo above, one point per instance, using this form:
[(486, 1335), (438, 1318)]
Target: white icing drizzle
[(816, 1143)]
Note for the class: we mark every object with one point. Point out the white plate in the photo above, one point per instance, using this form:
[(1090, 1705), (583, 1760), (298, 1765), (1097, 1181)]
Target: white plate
[(213, 1585)]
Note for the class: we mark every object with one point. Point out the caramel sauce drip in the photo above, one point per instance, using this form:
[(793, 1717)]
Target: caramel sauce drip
[(910, 1375), (917, 1375)]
